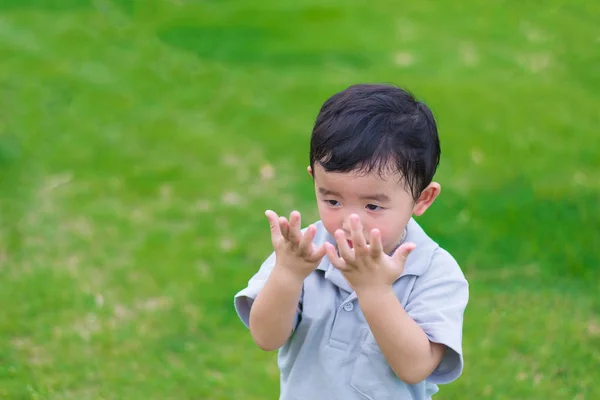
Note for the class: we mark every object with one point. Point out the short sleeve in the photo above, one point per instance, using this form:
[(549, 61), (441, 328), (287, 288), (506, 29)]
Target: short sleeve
[(244, 299), (437, 303)]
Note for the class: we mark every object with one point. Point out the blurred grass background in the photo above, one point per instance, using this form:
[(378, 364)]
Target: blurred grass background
[(141, 142)]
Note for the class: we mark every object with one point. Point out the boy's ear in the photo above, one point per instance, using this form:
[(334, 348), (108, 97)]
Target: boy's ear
[(310, 172), (426, 199)]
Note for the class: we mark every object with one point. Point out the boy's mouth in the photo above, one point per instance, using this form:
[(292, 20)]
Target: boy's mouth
[(350, 243)]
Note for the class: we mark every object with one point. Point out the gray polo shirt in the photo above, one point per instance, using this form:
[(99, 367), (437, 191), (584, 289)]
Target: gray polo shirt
[(332, 353)]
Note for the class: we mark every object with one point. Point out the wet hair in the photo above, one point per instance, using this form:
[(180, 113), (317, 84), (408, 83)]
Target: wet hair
[(375, 127)]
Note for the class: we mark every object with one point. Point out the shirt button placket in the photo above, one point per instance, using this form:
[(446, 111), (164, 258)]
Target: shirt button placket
[(342, 332)]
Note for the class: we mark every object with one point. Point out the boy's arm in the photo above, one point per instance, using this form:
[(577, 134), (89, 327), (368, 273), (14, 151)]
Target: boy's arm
[(274, 310), (407, 336), (424, 339), (404, 344)]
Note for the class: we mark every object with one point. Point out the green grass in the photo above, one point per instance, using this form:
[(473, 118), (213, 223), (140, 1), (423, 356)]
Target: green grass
[(137, 141)]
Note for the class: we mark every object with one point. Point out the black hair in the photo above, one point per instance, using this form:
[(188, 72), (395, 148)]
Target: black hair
[(370, 127)]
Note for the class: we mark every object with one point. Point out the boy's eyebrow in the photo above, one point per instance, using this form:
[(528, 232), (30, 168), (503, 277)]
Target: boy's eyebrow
[(327, 192), (380, 197)]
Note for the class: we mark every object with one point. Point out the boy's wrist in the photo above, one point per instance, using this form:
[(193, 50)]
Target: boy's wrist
[(287, 276), (373, 292)]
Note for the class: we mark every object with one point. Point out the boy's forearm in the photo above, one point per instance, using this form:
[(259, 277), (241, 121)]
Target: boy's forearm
[(401, 340), (272, 314)]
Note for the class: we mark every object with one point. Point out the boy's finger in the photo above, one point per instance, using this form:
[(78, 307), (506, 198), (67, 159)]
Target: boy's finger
[(295, 233), (343, 247), (273, 223), (358, 239), (284, 227), (320, 252), (306, 240), (337, 262), (375, 243), (401, 254)]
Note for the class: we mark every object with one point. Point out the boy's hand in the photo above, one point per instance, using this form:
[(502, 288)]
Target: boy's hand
[(294, 251), (366, 266)]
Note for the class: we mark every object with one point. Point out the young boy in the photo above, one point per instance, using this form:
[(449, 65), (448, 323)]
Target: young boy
[(362, 304)]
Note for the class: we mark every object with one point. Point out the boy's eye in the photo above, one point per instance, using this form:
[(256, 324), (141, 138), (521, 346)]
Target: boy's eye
[(372, 207), (332, 202)]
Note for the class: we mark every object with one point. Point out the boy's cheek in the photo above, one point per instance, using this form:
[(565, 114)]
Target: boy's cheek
[(328, 221)]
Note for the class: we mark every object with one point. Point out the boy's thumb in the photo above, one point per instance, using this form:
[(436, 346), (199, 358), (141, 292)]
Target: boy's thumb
[(402, 252)]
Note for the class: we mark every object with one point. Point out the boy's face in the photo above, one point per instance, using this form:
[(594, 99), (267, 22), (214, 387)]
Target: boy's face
[(380, 202)]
